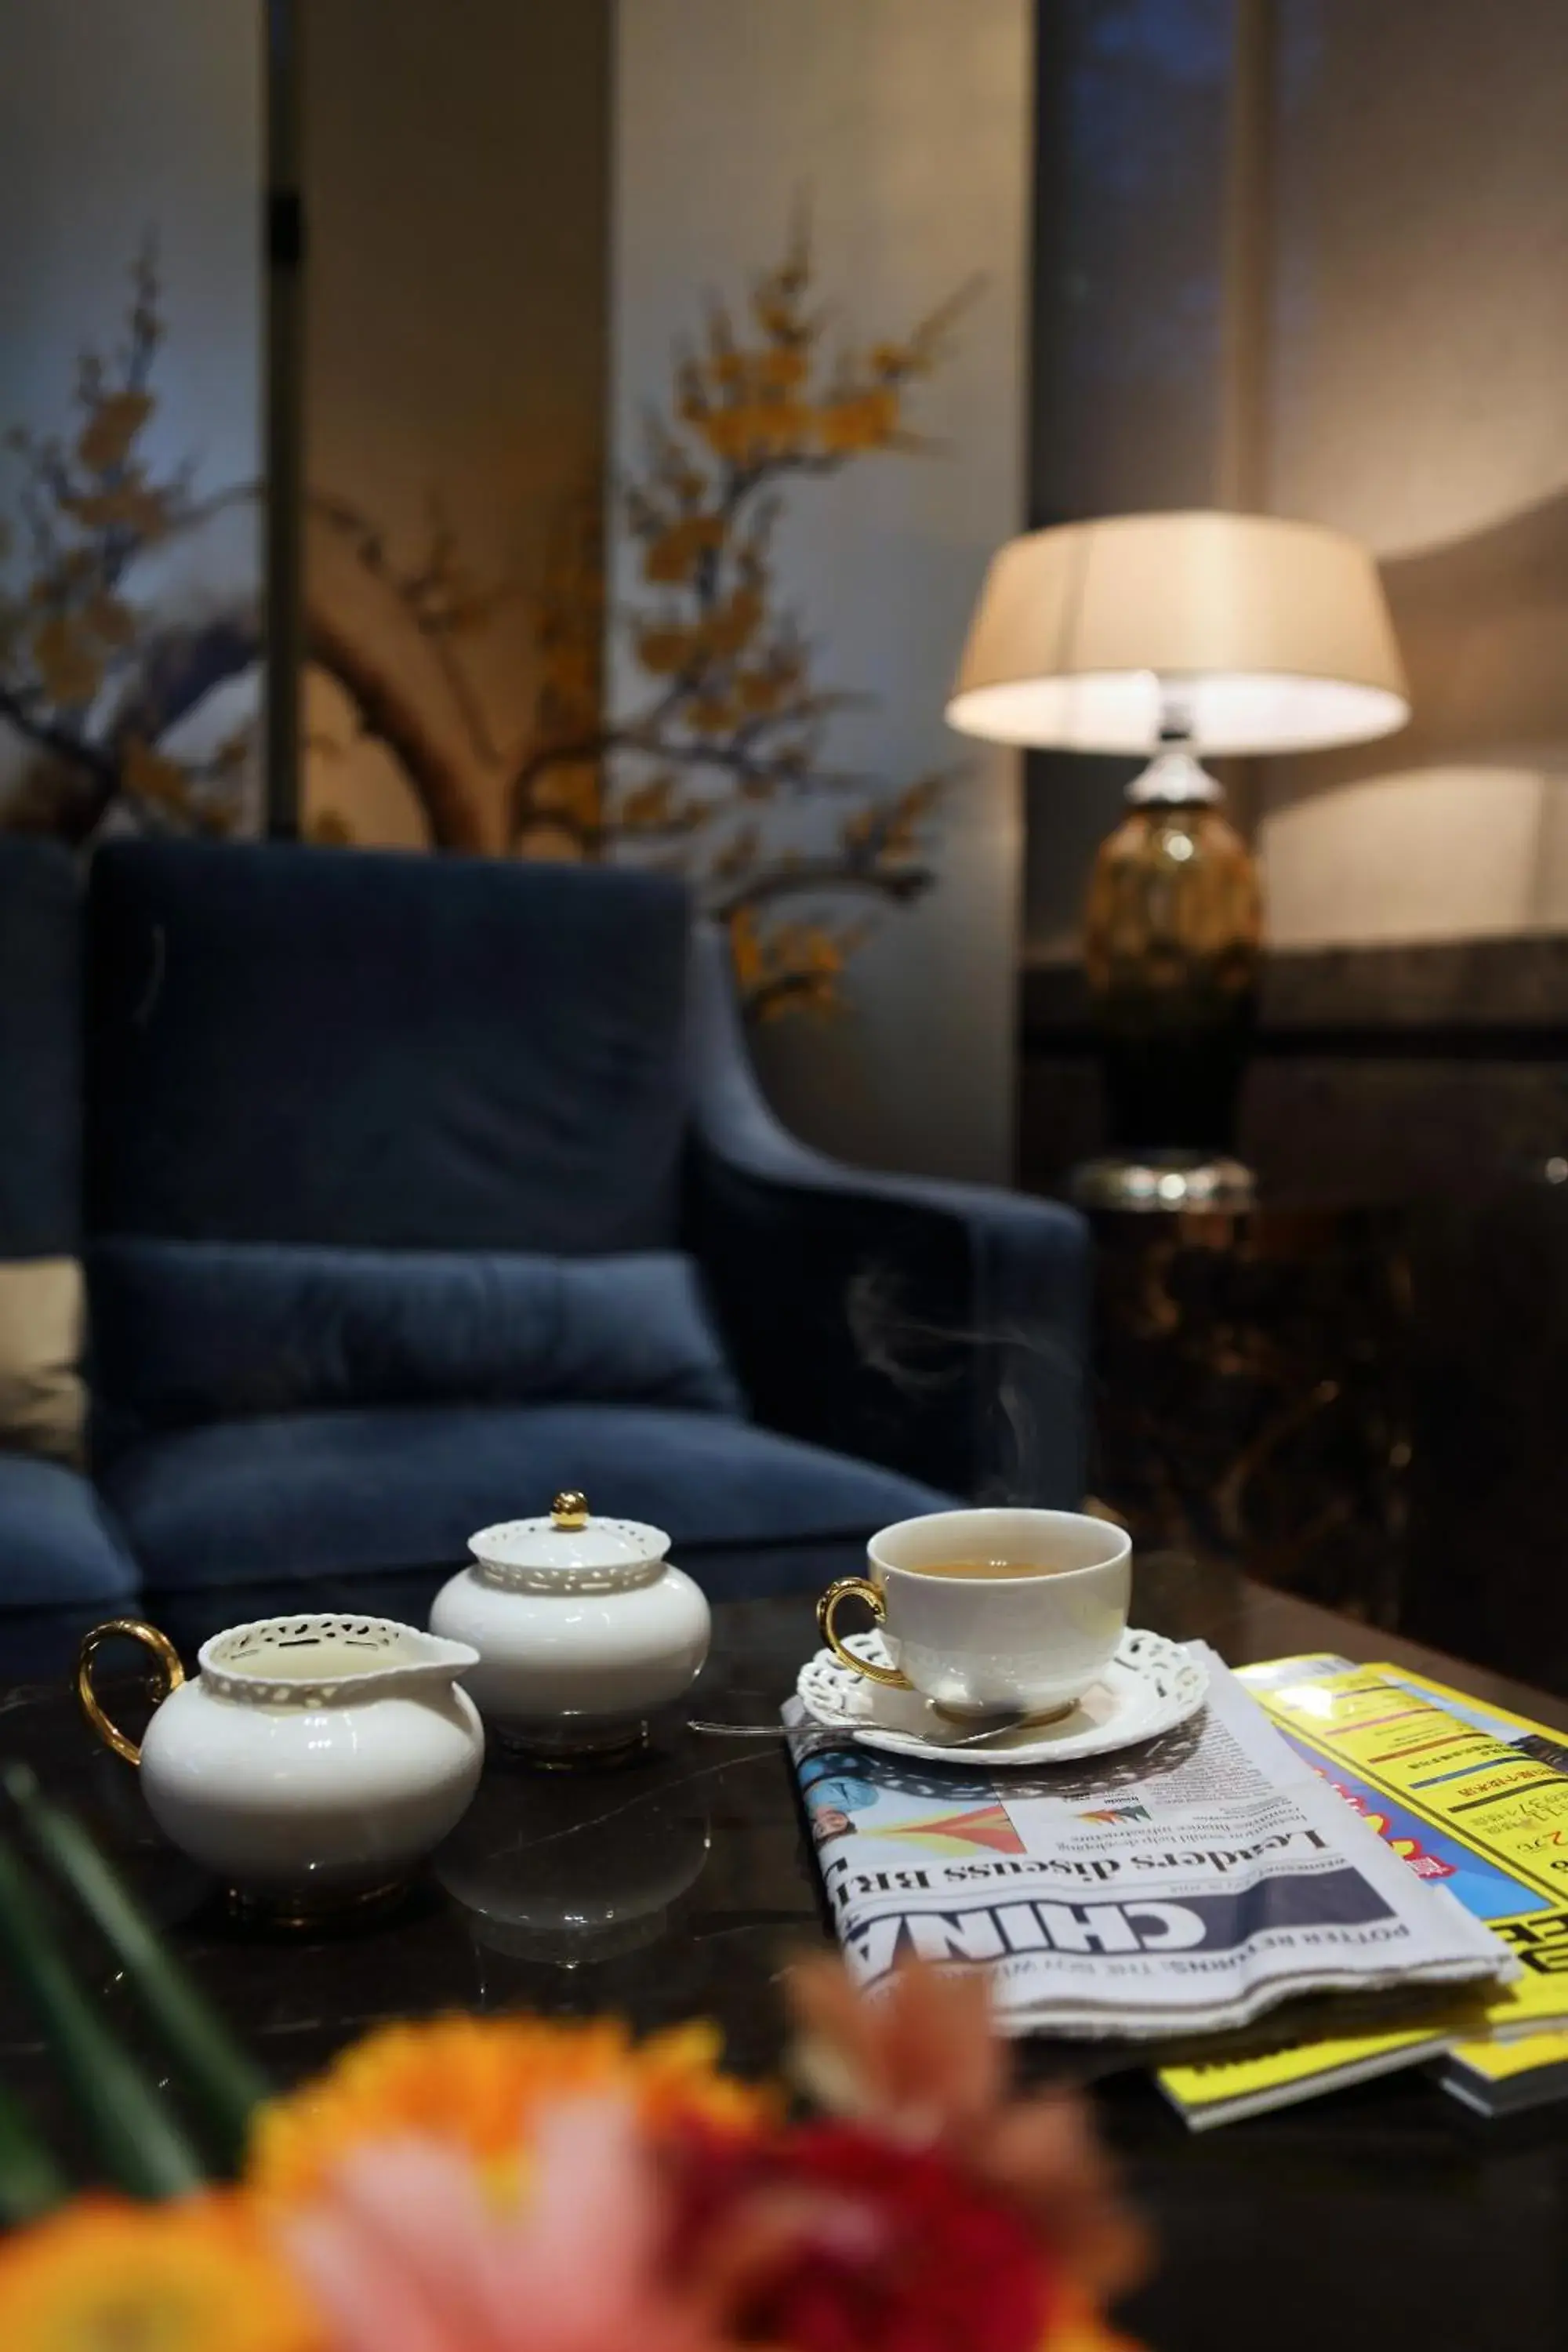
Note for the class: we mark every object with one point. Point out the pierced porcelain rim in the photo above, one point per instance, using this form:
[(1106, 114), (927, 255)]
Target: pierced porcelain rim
[(640, 1564), (235, 1679), (623, 1576)]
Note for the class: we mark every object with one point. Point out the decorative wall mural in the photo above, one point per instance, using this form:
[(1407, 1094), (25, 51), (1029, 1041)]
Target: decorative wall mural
[(829, 501), (102, 688), (101, 678), (732, 734), (732, 730), (390, 630)]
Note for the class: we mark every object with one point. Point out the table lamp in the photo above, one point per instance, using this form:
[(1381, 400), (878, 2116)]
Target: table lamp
[(1178, 635)]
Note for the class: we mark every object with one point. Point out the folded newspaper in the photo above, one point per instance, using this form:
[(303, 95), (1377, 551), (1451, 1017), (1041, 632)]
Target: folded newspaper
[(1185, 1884)]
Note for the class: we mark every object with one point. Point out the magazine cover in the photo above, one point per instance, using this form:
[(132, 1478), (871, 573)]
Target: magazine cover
[(1470, 1797)]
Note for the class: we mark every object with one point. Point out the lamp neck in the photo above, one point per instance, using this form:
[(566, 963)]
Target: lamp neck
[(1173, 776)]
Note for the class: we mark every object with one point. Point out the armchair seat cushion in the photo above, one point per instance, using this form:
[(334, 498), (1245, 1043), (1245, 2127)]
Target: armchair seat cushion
[(403, 1486), (56, 1542)]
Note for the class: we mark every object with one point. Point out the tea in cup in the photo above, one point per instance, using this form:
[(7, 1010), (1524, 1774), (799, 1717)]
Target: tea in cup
[(992, 1611)]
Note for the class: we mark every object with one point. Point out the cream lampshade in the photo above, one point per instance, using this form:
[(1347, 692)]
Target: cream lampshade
[(1235, 633), (1177, 634)]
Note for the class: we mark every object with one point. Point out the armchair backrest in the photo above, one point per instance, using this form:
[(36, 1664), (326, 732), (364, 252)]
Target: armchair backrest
[(299, 1044), (40, 1058), (40, 1160)]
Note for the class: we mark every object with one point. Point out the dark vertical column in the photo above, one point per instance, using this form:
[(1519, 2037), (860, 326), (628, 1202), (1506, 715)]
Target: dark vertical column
[(1047, 212), (1069, 798), (1246, 293), (283, 611), (1247, 264), (1047, 261)]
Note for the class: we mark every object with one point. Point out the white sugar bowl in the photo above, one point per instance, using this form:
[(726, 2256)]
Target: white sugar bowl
[(583, 1626)]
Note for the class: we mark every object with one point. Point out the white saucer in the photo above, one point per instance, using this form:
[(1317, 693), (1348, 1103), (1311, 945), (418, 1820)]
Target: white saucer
[(1150, 1686)]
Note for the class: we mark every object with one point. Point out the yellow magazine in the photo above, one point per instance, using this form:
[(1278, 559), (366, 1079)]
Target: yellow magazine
[(1472, 1797), (1227, 2090)]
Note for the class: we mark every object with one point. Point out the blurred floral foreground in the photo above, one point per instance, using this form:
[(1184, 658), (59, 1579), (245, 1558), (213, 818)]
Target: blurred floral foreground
[(515, 2186)]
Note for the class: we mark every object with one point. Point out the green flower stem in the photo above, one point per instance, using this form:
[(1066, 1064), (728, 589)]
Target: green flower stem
[(223, 2081), (142, 2147), (30, 2179)]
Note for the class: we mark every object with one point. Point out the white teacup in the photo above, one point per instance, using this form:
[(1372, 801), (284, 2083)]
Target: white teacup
[(985, 1611)]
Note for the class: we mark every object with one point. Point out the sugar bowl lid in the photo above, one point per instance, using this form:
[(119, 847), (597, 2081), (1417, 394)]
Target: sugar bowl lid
[(572, 1542)]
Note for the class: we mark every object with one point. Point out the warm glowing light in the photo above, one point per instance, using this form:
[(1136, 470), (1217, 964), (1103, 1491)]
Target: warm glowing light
[(1248, 633)]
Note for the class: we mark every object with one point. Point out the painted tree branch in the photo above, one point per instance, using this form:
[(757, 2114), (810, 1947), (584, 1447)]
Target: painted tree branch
[(181, 667), (87, 677), (809, 875), (436, 595), (735, 725), (739, 715), (386, 712), (49, 734)]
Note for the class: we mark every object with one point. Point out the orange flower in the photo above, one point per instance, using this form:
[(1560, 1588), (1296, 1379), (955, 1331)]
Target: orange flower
[(663, 651), (858, 420), (115, 420), (68, 664), (132, 504), (782, 370), (152, 776), (1079, 2326), (673, 554), (478, 2084), (105, 2274)]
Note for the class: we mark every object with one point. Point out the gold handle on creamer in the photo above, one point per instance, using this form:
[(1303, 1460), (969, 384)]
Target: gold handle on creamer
[(167, 1675)]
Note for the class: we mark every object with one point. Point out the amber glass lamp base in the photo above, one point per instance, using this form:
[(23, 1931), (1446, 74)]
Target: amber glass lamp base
[(1172, 942)]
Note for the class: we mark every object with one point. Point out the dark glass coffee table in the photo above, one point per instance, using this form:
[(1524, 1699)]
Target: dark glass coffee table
[(678, 1884)]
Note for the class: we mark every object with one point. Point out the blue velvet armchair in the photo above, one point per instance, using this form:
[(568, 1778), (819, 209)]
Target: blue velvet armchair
[(418, 1188)]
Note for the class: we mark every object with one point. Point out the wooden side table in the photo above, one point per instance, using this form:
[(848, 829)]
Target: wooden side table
[(1251, 1377)]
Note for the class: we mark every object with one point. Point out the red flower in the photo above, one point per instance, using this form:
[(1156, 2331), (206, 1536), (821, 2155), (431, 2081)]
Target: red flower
[(832, 2240), (922, 2063)]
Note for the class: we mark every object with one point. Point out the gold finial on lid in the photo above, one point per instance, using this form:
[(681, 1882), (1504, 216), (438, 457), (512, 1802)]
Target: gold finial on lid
[(569, 1511)]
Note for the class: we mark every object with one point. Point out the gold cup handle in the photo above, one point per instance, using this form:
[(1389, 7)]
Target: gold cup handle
[(167, 1675), (857, 1588)]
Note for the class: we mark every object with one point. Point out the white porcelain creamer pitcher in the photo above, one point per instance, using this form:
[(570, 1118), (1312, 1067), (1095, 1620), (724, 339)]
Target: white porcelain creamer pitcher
[(312, 1759)]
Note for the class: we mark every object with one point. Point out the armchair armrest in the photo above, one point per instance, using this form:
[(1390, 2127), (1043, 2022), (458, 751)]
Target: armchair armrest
[(938, 1328)]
